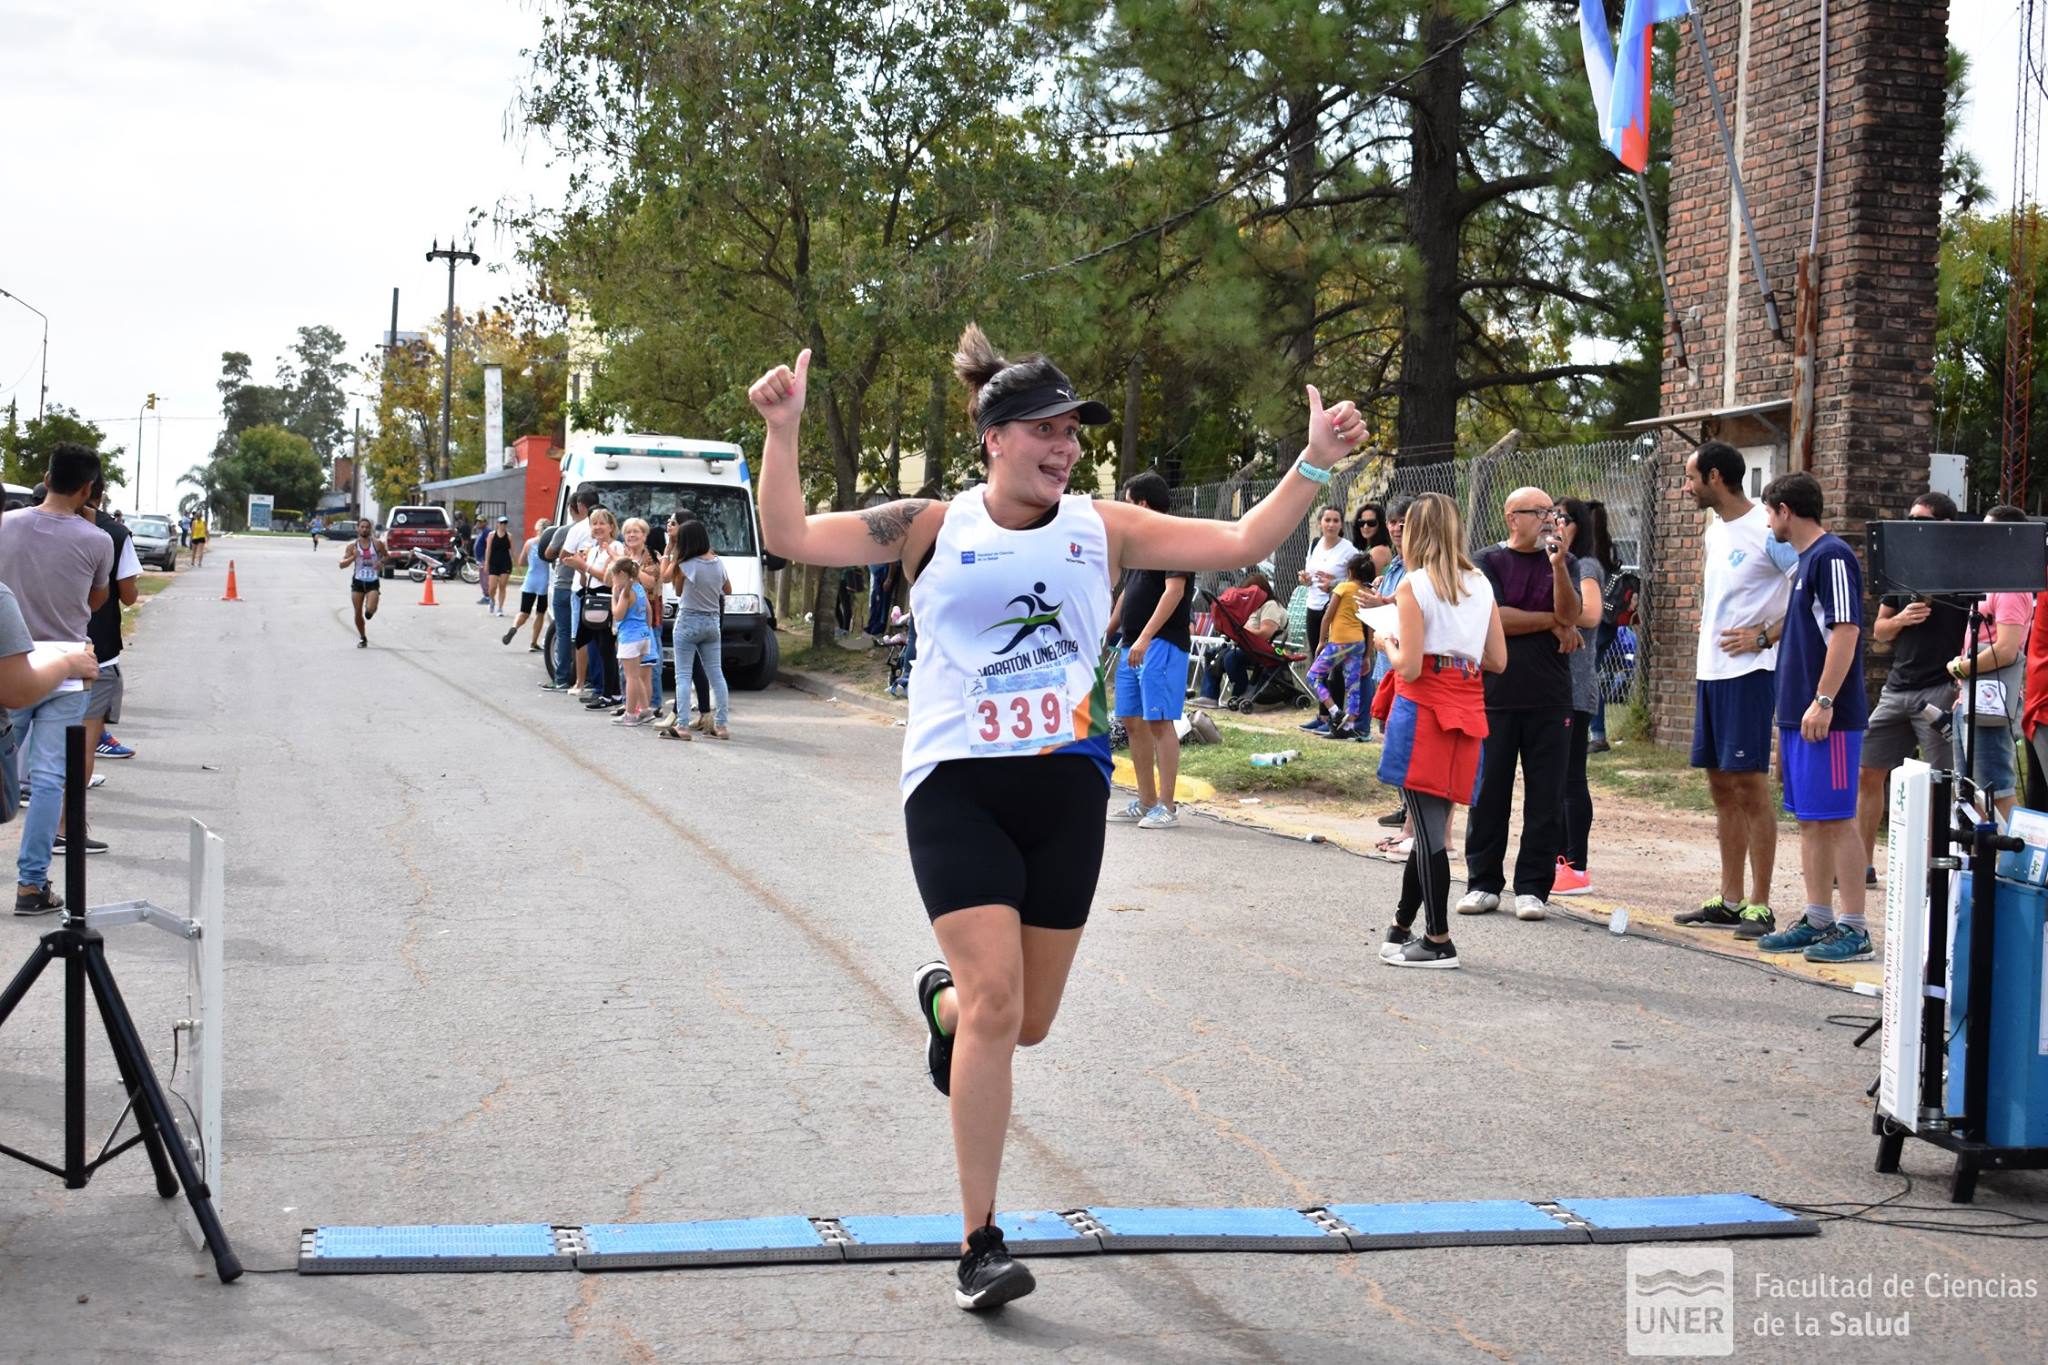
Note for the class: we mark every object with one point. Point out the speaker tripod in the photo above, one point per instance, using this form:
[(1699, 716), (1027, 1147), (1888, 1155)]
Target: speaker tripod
[(83, 952)]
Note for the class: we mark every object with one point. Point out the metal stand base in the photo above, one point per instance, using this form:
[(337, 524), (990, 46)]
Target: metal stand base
[(84, 954), (1971, 1157)]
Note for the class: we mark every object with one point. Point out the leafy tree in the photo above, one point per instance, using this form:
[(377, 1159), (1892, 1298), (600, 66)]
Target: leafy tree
[(25, 455), (309, 385), (266, 459), (753, 178)]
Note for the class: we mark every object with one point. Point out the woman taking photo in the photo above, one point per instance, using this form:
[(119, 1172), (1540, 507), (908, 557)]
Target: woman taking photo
[(1450, 630), (1006, 760)]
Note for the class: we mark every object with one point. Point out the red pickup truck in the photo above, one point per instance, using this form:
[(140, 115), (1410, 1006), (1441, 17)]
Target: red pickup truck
[(417, 528)]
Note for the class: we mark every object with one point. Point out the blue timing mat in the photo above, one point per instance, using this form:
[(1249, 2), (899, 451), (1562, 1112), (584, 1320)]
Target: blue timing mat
[(434, 1247), (1671, 1218), (730, 1241), (1214, 1230), (1467, 1223), (935, 1236)]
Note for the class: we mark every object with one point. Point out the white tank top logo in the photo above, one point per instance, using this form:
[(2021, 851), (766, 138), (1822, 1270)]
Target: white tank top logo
[(1006, 625)]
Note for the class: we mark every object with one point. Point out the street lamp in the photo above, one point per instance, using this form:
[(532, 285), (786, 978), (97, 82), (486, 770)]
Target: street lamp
[(148, 405), (43, 381)]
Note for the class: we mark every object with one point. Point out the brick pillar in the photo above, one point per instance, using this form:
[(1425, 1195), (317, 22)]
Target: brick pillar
[(1879, 230)]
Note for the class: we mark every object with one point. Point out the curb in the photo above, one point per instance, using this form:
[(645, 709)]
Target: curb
[(833, 689)]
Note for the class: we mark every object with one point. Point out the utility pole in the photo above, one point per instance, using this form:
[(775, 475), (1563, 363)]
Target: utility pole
[(452, 256), (43, 382)]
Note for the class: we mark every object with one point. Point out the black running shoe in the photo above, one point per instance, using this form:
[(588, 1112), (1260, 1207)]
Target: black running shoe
[(928, 981), (1393, 819), (1397, 939), (988, 1277), (42, 901), (1421, 952), (1713, 914)]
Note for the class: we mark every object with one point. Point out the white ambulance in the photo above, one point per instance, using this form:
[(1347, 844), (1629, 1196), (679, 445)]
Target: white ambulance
[(652, 477)]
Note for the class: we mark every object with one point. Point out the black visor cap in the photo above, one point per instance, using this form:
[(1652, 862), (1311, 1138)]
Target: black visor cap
[(1043, 400)]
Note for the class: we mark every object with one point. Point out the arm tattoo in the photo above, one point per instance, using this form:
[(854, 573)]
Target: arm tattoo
[(889, 523)]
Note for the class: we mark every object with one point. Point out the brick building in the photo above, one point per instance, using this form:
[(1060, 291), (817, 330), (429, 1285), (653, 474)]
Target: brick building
[(1872, 349)]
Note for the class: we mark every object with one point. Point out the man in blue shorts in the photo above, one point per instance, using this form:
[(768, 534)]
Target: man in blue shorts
[(1743, 590), (1151, 616), (1822, 713)]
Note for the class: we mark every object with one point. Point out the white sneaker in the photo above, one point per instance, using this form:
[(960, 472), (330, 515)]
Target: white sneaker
[(1127, 815), (1530, 907), (1478, 903), (1159, 817)]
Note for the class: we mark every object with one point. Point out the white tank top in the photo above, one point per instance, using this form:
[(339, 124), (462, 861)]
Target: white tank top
[(1457, 630), (1010, 658)]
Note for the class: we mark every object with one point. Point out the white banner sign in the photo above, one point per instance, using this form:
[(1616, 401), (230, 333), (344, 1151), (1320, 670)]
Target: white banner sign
[(1905, 944), (494, 418)]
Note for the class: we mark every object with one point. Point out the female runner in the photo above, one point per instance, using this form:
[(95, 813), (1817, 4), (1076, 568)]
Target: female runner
[(1006, 762)]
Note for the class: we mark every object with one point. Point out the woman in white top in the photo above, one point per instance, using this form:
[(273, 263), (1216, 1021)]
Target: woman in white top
[(1450, 631), (593, 564), (1329, 562), (1006, 759)]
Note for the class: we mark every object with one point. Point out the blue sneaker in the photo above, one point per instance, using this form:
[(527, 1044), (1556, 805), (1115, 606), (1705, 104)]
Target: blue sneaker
[(109, 747), (1318, 726), (1843, 944), (1801, 936)]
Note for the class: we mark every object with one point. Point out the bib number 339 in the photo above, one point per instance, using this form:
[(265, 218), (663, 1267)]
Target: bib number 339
[(1022, 712)]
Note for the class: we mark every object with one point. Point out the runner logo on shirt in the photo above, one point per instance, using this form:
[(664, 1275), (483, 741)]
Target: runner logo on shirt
[(1035, 615)]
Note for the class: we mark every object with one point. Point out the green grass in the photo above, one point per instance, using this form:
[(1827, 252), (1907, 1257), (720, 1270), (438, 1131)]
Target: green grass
[(150, 584), (866, 667), (1326, 768)]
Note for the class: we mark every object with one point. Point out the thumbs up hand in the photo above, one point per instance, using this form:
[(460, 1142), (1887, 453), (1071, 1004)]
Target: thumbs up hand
[(779, 394), (1332, 433)]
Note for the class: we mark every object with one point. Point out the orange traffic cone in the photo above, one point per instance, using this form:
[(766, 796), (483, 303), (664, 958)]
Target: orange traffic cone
[(426, 598), (231, 595)]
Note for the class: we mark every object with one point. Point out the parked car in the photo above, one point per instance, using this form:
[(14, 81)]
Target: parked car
[(426, 528), (156, 540), (339, 528)]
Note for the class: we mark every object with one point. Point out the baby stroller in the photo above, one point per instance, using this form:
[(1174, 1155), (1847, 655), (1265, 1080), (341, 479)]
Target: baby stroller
[(1274, 667), (900, 646)]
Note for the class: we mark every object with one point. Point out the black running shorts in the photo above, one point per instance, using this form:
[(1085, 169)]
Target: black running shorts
[(360, 587), (530, 600), (1022, 832)]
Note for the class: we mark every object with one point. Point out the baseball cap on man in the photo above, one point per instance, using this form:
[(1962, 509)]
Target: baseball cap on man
[(1052, 396)]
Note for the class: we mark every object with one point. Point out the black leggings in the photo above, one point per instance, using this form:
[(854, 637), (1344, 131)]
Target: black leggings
[(1426, 880), (1578, 797), (597, 633)]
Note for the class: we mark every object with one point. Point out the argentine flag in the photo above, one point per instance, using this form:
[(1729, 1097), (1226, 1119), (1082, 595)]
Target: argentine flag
[(1620, 73)]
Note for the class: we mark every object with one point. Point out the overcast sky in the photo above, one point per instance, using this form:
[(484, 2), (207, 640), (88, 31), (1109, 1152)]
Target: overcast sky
[(182, 180)]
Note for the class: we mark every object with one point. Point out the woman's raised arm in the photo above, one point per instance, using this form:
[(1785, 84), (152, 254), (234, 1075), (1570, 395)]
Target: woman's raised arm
[(876, 535)]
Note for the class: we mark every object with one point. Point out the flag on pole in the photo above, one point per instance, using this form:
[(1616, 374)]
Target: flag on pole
[(1620, 74)]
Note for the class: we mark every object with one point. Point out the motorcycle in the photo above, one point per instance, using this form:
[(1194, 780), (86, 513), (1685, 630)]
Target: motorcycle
[(460, 564)]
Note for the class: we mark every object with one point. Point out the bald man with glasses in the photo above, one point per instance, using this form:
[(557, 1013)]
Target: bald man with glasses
[(1528, 711)]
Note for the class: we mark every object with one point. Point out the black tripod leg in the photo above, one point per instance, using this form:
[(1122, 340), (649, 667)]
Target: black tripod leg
[(153, 1138), (24, 979), (122, 1036), (1889, 1148), (1962, 1187)]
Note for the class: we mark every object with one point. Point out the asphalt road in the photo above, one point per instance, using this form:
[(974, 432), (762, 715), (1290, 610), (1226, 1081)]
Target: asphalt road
[(491, 959)]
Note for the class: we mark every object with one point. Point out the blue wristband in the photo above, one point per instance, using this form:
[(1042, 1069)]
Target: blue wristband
[(1311, 472)]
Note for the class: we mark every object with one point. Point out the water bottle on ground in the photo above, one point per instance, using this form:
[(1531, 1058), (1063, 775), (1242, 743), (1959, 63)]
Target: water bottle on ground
[(1278, 759)]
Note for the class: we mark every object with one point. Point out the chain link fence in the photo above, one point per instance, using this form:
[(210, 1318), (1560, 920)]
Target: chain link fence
[(1619, 474)]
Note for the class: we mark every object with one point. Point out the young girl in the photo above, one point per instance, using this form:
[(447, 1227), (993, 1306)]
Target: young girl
[(631, 617), (1343, 651), (1006, 759), (1450, 630)]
